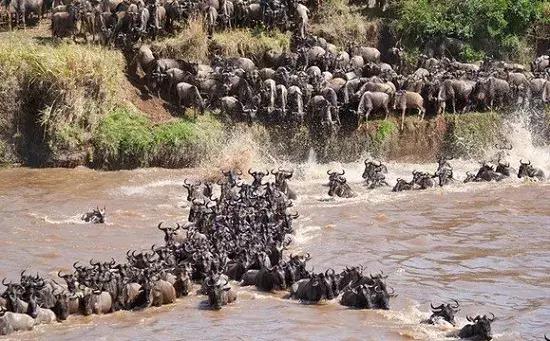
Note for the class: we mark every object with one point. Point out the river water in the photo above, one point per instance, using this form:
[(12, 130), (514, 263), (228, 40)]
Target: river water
[(486, 245)]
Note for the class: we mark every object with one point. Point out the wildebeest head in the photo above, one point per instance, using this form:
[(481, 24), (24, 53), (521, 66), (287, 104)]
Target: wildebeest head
[(169, 232), (215, 292), (445, 311), (70, 279), (373, 167), (61, 307), (503, 168), (183, 275), (480, 329), (402, 185), (96, 216), (526, 170), (232, 177), (193, 190), (258, 177), (349, 276), (381, 297)]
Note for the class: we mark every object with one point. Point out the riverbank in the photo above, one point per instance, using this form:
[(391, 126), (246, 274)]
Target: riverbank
[(64, 105)]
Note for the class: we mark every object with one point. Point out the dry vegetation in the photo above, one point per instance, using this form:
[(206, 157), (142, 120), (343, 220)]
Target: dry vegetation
[(342, 23)]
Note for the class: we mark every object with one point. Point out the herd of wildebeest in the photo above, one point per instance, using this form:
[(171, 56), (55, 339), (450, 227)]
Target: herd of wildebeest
[(496, 170), (242, 236), (315, 82)]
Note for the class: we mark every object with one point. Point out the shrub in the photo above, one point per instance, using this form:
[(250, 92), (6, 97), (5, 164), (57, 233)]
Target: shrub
[(251, 43), (191, 43), (123, 140), (341, 23), (55, 93)]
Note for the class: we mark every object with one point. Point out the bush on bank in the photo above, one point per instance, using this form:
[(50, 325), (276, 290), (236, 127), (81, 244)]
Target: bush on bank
[(126, 138), (53, 94), (342, 23)]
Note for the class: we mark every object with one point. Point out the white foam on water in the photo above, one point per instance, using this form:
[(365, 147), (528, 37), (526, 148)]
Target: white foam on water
[(142, 189), (67, 220)]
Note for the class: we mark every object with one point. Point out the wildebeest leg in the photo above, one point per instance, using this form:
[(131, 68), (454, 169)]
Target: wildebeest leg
[(387, 112), (421, 112), (403, 117), (366, 117), (454, 105)]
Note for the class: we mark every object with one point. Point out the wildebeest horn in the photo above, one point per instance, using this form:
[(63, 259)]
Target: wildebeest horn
[(343, 172), (308, 256), (469, 318), (250, 171), (457, 304), (273, 172), (392, 291), (112, 261), (327, 272), (4, 282), (161, 228), (546, 337), (492, 318), (329, 172), (436, 308), (208, 281)]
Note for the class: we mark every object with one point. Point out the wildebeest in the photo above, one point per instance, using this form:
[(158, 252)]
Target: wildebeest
[(96, 216), (314, 289), (281, 182), (485, 173), (526, 170), (374, 174), (219, 294), (403, 185), (268, 279), (445, 312), (423, 180), (366, 297), (338, 186), (504, 168), (409, 100), (13, 322), (444, 171), (479, 329)]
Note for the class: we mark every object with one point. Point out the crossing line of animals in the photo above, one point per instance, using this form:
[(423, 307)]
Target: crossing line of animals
[(240, 236), (375, 170)]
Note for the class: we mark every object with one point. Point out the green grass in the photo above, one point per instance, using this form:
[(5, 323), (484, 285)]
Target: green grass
[(126, 138), (123, 139), (385, 130), (55, 93)]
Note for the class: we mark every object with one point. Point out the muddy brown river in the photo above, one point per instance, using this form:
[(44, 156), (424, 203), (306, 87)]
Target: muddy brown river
[(486, 245)]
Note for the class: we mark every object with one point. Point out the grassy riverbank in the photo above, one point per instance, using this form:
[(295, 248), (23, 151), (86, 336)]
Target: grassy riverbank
[(65, 104)]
